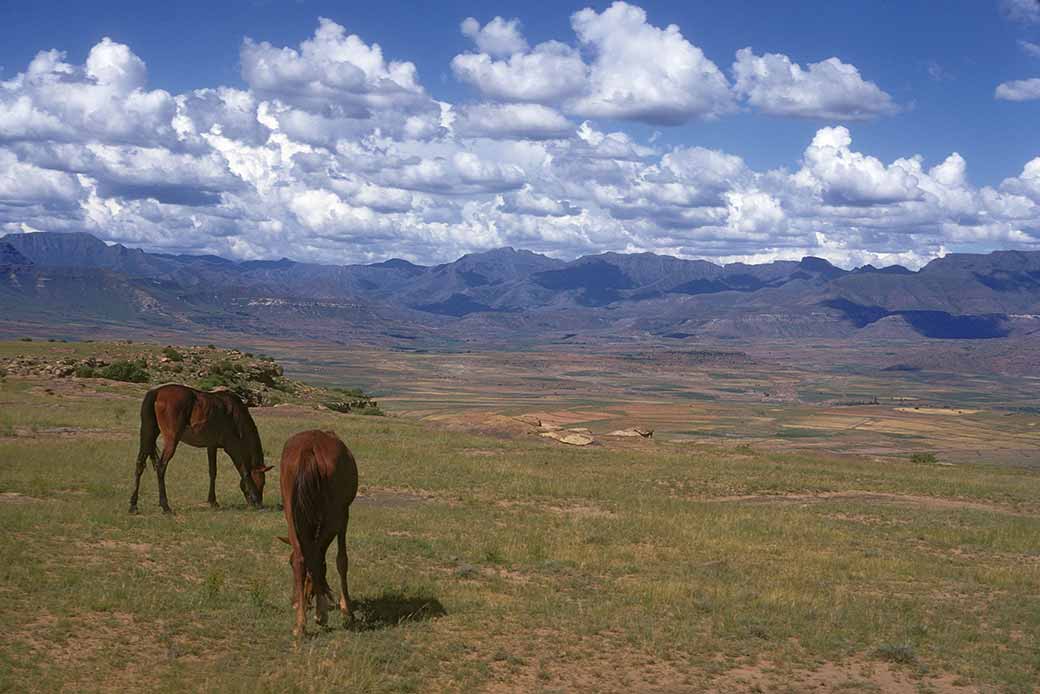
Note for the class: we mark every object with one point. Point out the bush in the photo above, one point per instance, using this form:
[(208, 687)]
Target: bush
[(132, 372), (924, 458), (26, 339), (210, 382), (359, 406), (3, 372), (897, 653), (84, 371), (172, 354), (222, 373)]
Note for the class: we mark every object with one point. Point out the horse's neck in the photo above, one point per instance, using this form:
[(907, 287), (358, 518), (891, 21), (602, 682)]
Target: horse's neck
[(243, 450)]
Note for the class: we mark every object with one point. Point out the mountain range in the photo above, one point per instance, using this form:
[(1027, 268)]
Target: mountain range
[(516, 296)]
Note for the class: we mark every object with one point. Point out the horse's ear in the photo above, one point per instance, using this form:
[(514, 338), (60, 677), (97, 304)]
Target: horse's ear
[(267, 468), (284, 539)]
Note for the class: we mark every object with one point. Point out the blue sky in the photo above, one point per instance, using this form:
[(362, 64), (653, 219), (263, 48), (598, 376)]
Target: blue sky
[(924, 85)]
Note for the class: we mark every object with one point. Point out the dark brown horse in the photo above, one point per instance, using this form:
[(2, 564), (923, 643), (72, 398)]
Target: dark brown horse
[(319, 479), (205, 420)]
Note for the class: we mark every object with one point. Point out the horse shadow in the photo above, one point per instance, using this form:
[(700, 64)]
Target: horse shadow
[(393, 609)]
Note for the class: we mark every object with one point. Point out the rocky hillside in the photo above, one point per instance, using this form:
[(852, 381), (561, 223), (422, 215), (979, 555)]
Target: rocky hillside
[(258, 379)]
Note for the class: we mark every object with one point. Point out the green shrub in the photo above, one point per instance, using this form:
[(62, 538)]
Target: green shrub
[(897, 653), (26, 339), (133, 372), (3, 372), (210, 382), (359, 406), (924, 458), (172, 354), (84, 371), (223, 374), (351, 392)]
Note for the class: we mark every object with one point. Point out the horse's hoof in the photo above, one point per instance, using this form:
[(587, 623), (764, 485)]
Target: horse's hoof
[(214, 504), (167, 510), (133, 510)]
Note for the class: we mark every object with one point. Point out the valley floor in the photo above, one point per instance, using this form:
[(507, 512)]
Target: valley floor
[(499, 561)]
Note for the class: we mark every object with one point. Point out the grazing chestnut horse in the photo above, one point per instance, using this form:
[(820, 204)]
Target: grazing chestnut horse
[(204, 420), (319, 479)]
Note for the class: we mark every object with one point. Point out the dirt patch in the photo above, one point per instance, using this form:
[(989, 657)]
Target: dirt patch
[(580, 510), (135, 547), (866, 519), (285, 410), (569, 436), (387, 497), (74, 433), (487, 423), (589, 664), (852, 675), (16, 498), (935, 410), (563, 508), (929, 502), (85, 644), (481, 452)]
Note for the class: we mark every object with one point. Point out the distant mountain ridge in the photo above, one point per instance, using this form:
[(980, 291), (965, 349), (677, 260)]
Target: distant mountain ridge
[(508, 293)]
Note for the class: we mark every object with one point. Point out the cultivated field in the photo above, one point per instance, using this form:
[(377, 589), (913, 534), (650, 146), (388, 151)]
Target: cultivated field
[(501, 561)]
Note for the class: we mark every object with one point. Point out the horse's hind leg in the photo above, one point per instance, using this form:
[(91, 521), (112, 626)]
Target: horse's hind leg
[(322, 594), (142, 462), (299, 594), (169, 448), (341, 566), (212, 452)]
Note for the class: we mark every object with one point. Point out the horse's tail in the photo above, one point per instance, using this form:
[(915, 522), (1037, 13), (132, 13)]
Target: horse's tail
[(149, 427), (307, 506)]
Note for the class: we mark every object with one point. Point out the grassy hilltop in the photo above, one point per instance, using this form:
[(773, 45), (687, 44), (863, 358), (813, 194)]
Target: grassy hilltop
[(504, 563)]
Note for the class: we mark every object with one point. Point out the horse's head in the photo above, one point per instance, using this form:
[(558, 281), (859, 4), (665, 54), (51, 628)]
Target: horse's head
[(258, 474)]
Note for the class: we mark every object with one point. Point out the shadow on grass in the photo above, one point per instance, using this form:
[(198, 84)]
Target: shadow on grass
[(393, 609)]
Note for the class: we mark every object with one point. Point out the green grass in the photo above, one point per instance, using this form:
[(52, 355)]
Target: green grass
[(506, 561)]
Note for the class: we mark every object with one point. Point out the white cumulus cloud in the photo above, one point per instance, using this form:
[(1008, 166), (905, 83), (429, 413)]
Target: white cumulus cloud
[(829, 89), (1019, 90), (645, 73), (496, 38)]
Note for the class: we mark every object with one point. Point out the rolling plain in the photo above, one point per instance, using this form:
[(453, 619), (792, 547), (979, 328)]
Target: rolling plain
[(803, 518)]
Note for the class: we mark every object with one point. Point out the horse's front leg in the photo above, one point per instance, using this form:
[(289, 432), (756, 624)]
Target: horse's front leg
[(212, 453)]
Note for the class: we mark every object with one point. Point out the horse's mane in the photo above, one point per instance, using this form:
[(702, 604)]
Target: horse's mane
[(245, 427)]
